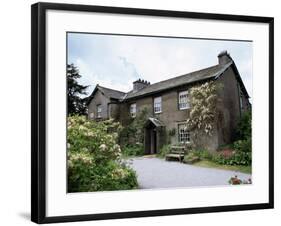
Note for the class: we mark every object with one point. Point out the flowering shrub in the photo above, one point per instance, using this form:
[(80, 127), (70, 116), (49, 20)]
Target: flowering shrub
[(94, 138), (94, 162), (242, 154), (203, 100), (236, 181), (239, 155), (238, 158), (225, 157), (227, 153)]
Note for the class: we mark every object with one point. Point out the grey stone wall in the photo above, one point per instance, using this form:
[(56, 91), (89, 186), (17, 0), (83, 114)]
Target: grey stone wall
[(99, 99), (114, 110), (171, 116), (229, 108), (110, 108)]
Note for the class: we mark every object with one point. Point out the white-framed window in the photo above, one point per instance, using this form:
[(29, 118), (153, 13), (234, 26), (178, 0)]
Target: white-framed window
[(183, 133), (99, 110), (158, 105), (133, 110), (92, 115), (183, 100)]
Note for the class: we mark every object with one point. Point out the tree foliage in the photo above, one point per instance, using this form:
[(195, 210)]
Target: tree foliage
[(203, 101), (75, 103), (244, 127)]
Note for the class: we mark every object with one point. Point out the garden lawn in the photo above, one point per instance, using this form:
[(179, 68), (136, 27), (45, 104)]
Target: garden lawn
[(210, 164)]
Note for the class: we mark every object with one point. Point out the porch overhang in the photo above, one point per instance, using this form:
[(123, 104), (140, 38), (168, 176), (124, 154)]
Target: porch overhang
[(156, 122)]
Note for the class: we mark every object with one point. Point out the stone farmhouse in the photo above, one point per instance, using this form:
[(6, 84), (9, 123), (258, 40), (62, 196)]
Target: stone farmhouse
[(167, 103)]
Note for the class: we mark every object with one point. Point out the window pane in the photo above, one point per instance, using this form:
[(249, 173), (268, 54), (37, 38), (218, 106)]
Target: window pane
[(184, 134), (133, 110), (157, 104), (92, 115), (183, 100), (99, 110)]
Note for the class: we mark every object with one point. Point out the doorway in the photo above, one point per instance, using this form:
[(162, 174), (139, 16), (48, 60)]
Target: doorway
[(153, 136), (150, 139)]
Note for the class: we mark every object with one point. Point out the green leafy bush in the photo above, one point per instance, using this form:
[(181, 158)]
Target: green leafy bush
[(203, 154), (94, 162), (85, 176), (191, 158), (164, 151), (244, 127), (242, 154), (243, 145), (237, 158), (133, 150)]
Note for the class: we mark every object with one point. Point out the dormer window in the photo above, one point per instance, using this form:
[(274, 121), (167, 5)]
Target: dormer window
[(133, 110), (99, 110), (158, 105), (183, 100)]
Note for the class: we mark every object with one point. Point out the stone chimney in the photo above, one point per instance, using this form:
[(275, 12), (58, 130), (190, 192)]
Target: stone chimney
[(140, 84), (224, 57)]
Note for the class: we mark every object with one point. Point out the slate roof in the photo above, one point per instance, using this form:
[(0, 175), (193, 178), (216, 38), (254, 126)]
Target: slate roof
[(111, 93), (204, 74), (196, 76)]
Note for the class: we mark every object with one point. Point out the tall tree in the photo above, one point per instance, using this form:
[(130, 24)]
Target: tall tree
[(76, 104)]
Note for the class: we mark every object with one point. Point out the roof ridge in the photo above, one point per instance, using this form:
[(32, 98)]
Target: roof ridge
[(212, 71), (207, 68), (103, 87)]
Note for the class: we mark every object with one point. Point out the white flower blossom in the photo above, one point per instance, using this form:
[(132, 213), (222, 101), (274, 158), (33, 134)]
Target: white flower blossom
[(103, 147)]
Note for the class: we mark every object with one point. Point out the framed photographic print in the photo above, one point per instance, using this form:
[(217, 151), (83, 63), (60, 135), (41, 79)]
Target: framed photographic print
[(141, 112)]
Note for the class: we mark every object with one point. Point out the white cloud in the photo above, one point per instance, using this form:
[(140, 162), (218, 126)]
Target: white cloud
[(88, 77), (154, 61)]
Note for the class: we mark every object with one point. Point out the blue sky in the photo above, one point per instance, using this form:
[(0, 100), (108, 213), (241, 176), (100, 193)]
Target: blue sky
[(116, 61)]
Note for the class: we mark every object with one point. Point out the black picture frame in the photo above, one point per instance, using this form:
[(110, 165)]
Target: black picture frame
[(38, 111)]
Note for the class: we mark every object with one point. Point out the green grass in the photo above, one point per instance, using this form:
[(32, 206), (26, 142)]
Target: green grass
[(209, 164)]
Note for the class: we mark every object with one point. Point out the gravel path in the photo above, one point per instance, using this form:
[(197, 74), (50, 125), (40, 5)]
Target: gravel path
[(158, 173)]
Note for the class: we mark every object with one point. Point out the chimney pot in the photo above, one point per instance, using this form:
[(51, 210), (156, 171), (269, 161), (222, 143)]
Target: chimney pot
[(224, 57), (140, 84)]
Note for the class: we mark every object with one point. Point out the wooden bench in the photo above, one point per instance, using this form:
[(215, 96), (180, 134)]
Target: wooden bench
[(176, 152)]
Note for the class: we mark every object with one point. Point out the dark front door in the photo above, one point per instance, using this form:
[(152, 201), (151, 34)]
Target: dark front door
[(150, 140), (153, 149)]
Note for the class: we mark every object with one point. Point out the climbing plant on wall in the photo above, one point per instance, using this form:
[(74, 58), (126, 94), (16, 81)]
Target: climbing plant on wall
[(203, 99), (133, 133)]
